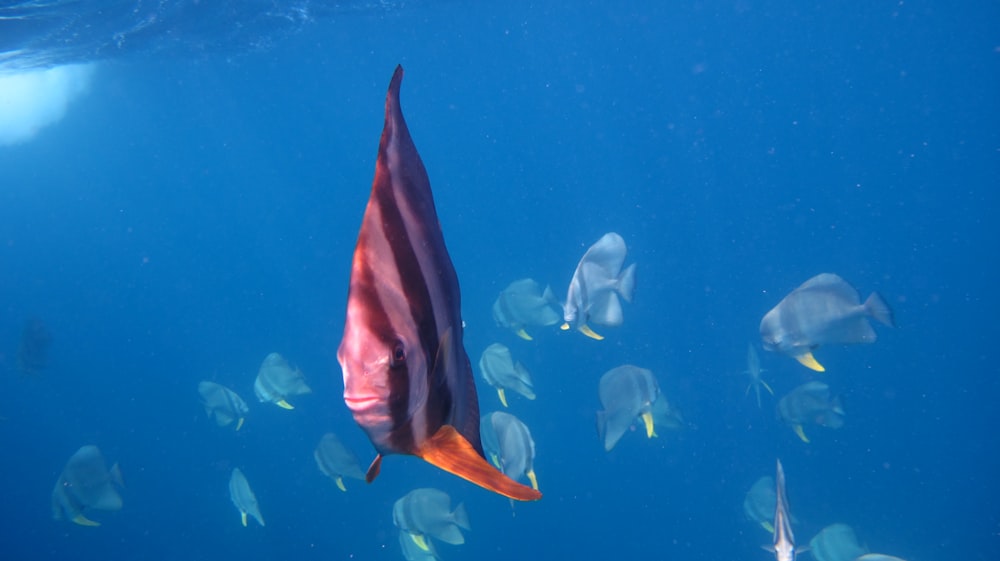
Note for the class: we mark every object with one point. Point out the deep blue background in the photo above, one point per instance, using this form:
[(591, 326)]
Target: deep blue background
[(193, 213)]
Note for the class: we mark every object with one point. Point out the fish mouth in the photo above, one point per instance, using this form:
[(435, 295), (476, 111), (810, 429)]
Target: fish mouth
[(360, 403)]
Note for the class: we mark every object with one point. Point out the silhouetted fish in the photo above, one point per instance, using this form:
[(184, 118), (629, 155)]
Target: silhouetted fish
[(407, 378), (86, 484)]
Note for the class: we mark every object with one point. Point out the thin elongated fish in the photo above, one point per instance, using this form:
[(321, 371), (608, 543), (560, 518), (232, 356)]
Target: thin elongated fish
[(753, 371), (407, 378), (597, 283), (784, 540), (824, 310)]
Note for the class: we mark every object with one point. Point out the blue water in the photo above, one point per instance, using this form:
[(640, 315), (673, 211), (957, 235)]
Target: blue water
[(196, 208)]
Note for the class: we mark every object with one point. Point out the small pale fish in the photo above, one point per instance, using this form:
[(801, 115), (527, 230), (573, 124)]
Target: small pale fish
[(753, 371), (760, 502), (277, 381), (222, 404), (413, 547), (407, 378), (836, 542), (525, 304), (627, 393), (509, 441), (336, 461), (597, 283), (86, 484), (501, 371), (825, 310), (811, 403), (243, 498), (427, 513), (784, 540)]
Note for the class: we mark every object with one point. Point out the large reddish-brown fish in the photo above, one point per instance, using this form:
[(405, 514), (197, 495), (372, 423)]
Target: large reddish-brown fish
[(407, 378)]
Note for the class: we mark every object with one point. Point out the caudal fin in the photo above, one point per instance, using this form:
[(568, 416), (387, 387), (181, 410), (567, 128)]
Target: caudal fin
[(878, 309), (450, 451), (626, 283)]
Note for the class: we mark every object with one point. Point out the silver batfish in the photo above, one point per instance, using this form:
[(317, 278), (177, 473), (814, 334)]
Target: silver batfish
[(811, 403), (222, 404), (86, 483), (597, 283), (501, 371), (243, 497), (525, 304), (627, 393), (825, 310)]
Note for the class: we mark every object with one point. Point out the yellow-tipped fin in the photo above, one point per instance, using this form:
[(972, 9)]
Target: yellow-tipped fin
[(767, 526), (564, 327), (420, 541), (798, 430), (586, 330), (495, 460), (523, 334), (809, 361), (239, 424), (243, 518), (84, 521), (284, 404), (503, 396), (450, 451), (647, 419), (533, 478), (340, 484)]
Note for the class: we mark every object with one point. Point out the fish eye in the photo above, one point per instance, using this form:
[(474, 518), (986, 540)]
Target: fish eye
[(398, 357)]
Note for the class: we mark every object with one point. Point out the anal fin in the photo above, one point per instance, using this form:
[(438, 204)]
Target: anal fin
[(450, 451), (374, 469)]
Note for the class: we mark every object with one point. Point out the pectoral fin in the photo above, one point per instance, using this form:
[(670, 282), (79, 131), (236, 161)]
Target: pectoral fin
[(420, 541), (809, 361), (647, 419), (373, 469), (533, 478), (802, 435), (586, 330), (84, 521), (284, 404), (450, 451)]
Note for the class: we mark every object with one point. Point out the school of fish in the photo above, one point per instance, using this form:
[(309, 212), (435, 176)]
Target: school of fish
[(411, 388)]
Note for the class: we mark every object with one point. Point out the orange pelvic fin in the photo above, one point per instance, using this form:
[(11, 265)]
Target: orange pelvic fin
[(450, 451), (374, 469)]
